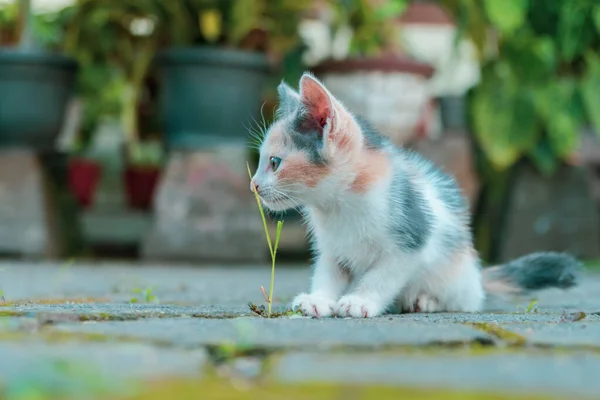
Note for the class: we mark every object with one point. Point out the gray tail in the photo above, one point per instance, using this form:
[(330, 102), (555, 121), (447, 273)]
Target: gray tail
[(532, 272)]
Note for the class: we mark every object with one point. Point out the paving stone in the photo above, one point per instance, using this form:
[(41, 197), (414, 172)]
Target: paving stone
[(581, 333), (287, 332), (182, 283), (109, 311), (220, 285), (76, 368), (561, 374)]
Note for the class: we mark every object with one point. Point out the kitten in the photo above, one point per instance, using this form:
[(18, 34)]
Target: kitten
[(388, 227)]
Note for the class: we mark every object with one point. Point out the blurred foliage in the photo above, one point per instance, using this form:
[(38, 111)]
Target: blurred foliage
[(8, 24), (540, 76), (115, 41), (372, 22)]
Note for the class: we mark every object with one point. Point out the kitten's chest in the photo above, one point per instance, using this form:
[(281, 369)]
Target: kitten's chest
[(353, 240)]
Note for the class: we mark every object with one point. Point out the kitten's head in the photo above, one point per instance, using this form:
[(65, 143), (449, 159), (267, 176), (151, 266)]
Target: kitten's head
[(314, 151)]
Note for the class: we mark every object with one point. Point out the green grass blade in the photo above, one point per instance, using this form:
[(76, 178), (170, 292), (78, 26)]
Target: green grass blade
[(262, 213), (277, 236)]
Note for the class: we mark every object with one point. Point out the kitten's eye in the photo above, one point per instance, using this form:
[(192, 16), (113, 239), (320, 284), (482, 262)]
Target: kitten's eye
[(274, 161)]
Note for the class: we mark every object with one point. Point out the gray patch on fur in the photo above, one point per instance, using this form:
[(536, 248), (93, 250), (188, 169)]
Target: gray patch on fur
[(308, 140), (445, 185), (449, 194), (374, 139), (540, 270), (410, 214)]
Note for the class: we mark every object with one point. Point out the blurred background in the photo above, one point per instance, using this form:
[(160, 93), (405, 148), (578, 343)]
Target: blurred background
[(125, 124)]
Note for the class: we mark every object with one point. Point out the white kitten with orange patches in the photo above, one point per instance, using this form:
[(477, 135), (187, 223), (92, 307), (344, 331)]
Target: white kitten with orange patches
[(388, 227)]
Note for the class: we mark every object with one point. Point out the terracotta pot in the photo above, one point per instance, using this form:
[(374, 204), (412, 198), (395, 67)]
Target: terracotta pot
[(140, 184), (390, 91), (84, 176)]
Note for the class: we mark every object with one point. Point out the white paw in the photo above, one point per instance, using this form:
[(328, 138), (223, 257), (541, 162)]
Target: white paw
[(358, 307), (314, 305)]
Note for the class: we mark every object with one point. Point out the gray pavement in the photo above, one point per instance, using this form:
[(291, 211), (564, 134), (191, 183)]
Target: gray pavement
[(121, 324)]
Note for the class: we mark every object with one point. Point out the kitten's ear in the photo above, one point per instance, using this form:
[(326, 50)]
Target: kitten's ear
[(317, 101), (289, 99)]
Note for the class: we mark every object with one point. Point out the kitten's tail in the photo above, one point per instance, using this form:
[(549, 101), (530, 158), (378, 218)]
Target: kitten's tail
[(532, 272)]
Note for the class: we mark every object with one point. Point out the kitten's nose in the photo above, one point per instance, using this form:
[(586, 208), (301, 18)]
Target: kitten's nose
[(253, 186)]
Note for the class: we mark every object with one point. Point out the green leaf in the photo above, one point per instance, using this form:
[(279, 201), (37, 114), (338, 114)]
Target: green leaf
[(558, 106), (596, 17), (544, 158), (590, 90), (504, 117), (391, 9), (506, 15), (532, 58), (575, 30)]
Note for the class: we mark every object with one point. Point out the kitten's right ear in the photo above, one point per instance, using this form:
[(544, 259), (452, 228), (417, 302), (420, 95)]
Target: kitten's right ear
[(289, 99)]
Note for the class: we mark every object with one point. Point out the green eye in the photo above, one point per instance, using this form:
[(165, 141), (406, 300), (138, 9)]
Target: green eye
[(274, 162)]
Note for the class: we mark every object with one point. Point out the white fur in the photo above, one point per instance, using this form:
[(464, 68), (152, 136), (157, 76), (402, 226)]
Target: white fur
[(352, 231)]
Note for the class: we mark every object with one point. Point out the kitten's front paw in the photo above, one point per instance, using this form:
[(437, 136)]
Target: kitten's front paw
[(314, 305), (358, 307)]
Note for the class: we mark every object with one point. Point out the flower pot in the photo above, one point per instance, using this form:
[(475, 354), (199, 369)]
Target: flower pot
[(453, 112), (35, 88), (390, 91), (140, 185), (84, 176), (210, 95)]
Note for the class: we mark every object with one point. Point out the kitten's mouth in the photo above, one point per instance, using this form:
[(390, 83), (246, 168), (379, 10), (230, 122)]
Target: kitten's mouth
[(277, 202)]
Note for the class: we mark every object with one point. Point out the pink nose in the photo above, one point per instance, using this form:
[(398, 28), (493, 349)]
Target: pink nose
[(253, 186)]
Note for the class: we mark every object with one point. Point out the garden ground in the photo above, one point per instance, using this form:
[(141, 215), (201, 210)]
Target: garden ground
[(160, 331)]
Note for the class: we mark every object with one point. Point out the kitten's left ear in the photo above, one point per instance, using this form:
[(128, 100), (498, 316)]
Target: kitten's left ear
[(289, 99), (318, 103)]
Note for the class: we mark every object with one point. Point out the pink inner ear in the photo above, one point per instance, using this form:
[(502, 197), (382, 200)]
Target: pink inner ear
[(316, 100)]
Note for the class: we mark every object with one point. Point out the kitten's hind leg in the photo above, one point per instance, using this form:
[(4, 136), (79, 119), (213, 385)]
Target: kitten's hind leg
[(451, 286)]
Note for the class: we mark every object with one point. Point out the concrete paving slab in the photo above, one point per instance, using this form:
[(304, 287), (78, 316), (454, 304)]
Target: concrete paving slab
[(562, 375), (287, 332)]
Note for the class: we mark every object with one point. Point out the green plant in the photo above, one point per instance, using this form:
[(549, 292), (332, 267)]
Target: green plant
[(146, 154), (373, 25), (144, 294), (540, 77), (272, 249), (115, 42), (532, 307)]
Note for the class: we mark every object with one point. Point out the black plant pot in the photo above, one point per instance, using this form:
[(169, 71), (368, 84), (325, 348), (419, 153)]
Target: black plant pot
[(35, 88), (210, 95), (453, 112)]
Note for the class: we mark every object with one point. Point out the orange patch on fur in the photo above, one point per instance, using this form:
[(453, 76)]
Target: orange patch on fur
[(373, 166), (298, 169)]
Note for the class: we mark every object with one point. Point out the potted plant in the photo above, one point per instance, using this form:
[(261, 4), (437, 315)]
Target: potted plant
[(36, 80), (115, 42), (539, 89), (142, 173), (367, 70), (213, 78)]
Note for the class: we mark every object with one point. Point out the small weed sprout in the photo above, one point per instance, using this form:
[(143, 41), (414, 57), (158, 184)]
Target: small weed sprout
[(532, 307), (146, 294), (272, 249)]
